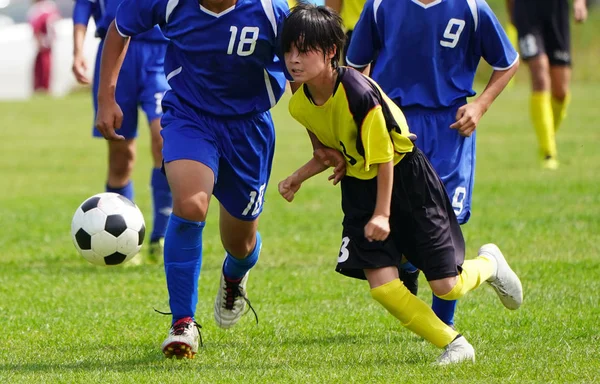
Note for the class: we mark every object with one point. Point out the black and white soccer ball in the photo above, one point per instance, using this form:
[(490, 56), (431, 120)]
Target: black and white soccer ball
[(108, 229)]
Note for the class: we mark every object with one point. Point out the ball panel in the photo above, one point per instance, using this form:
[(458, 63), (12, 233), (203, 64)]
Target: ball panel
[(111, 205), (104, 244), (93, 221), (90, 203), (127, 202), (83, 240), (115, 225), (127, 242), (114, 259), (142, 234), (91, 256), (133, 217), (77, 221)]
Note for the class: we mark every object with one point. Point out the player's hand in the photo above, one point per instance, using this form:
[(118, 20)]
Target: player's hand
[(467, 118), (378, 228), (332, 158), (79, 69), (580, 11), (109, 118), (289, 187)]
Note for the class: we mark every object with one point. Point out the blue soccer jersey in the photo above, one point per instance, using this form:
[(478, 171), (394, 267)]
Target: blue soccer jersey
[(84, 9), (444, 41), (107, 11), (223, 64)]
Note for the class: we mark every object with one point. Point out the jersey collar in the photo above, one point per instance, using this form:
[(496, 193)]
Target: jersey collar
[(436, 2)]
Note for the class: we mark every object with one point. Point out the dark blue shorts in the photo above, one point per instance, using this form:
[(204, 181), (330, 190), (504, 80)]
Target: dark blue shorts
[(452, 156), (142, 83), (238, 150)]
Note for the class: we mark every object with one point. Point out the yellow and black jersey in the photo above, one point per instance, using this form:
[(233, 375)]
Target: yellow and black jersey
[(350, 12), (359, 120)]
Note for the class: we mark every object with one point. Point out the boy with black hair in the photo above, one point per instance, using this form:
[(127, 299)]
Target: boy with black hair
[(393, 201)]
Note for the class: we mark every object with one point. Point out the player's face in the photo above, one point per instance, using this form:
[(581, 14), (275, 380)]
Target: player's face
[(305, 66)]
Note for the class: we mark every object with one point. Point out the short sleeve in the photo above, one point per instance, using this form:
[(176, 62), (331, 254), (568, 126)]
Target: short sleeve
[(137, 16), (496, 48), (365, 41), (376, 138), (82, 12)]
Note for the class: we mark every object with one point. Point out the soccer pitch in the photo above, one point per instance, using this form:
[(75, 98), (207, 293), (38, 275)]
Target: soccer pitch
[(63, 320)]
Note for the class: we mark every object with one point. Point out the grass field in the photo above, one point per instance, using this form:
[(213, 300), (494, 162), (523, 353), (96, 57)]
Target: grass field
[(63, 320)]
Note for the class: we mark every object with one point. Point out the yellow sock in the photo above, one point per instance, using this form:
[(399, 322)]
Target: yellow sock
[(413, 313), (543, 122), (474, 273), (559, 110), (513, 36)]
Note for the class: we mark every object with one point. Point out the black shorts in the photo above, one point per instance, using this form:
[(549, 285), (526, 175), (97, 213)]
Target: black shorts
[(543, 27), (423, 226)]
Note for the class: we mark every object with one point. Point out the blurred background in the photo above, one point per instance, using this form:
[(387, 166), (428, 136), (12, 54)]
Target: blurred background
[(18, 49)]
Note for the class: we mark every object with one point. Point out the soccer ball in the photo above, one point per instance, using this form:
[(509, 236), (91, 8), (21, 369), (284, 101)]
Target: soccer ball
[(108, 229)]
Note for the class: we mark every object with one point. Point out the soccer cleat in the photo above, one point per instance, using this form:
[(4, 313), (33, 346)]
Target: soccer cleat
[(183, 339), (550, 163), (457, 351), (505, 281), (156, 251), (231, 301)]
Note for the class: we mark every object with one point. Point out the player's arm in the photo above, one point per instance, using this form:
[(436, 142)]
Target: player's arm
[(378, 152), (580, 10), (378, 227), (498, 51), (110, 116), (132, 18), (365, 42), (468, 116), (291, 185), (328, 157), (81, 15)]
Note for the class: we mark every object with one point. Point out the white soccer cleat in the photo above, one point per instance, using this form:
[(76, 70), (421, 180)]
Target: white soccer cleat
[(456, 352), (231, 301), (183, 339), (505, 281)]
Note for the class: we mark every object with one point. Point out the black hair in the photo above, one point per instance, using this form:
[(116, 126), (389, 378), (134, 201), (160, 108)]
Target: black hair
[(313, 28)]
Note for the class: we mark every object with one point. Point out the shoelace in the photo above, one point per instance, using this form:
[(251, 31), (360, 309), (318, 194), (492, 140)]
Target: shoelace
[(180, 326), (232, 291)]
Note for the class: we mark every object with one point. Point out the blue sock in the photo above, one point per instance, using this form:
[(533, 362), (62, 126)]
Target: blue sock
[(162, 204), (408, 267), (444, 309), (183, 260), (235, 269), (126, 191)]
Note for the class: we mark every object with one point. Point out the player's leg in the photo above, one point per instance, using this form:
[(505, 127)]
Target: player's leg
[(560, 76), (162, 202), (191, 183), (558, 41), (153, 86), (191, 165), (243, 176), (242, 243), (530, 25), (449, 276)]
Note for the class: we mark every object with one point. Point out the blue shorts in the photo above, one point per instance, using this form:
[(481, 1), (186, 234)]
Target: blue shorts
[(238, 150), (142, 82), (452, 156)]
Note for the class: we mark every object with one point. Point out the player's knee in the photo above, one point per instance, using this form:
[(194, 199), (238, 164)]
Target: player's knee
[(443, 287), (193, 208), (560, 93), (240, 246)]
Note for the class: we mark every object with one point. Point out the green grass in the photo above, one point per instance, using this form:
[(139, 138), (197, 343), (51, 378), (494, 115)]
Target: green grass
[(63, 320)]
